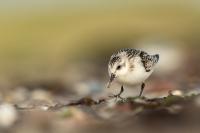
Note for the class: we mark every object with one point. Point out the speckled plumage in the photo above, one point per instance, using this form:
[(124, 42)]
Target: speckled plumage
[(131, 66), (148, 60)]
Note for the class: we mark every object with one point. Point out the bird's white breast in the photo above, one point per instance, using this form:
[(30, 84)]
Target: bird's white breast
[(137, 75)]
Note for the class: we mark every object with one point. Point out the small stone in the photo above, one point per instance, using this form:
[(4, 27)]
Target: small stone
[(20, 94), (88, 87), (8, 115), (41, 94), (45, 108), (176, 92)]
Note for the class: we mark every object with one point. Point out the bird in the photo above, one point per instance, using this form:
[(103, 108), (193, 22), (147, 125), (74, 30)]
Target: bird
[(130, 66)]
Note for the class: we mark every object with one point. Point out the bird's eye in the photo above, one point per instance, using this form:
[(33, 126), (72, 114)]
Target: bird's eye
[(119, 67)]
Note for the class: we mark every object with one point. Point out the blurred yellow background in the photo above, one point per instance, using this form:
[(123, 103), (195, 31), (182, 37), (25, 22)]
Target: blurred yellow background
[(39, 39)]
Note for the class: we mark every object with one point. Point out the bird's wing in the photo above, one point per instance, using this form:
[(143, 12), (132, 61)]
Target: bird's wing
[(149, 61)]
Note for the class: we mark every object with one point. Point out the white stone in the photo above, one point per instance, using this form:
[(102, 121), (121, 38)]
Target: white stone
[(177, 93), (8, 115)]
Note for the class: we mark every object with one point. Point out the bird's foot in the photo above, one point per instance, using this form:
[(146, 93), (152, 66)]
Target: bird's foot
[(116, 96)]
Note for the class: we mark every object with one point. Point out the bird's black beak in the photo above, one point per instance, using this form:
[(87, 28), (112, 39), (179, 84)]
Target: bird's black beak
[(112, 77)]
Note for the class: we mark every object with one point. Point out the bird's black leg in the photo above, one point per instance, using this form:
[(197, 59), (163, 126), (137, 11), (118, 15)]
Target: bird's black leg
[(119, 94), (142, 88)]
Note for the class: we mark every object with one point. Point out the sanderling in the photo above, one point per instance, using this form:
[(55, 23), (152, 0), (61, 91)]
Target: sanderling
[(131, 67)]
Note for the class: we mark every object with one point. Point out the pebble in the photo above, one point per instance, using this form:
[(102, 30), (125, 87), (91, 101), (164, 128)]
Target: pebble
[(88, 87), (8, 115), (41, 94), (177, 92)]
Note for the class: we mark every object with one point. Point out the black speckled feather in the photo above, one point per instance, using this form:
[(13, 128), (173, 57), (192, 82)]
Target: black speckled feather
[(148, 60)]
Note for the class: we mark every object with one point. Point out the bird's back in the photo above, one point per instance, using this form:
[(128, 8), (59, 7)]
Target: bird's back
[(149, 61), (143, 65)]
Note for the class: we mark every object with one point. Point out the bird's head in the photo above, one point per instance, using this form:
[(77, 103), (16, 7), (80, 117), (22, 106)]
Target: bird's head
[(117, 66)]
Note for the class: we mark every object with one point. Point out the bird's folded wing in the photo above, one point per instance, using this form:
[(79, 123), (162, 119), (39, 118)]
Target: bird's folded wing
[(148, 60)]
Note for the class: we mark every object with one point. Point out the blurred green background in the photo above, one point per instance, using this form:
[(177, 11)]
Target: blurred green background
[(40, 39)]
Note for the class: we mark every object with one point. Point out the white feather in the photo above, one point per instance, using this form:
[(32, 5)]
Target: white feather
[(137, 76)]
